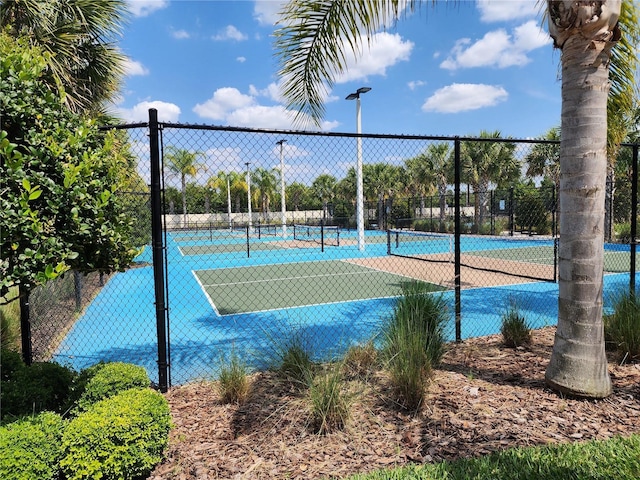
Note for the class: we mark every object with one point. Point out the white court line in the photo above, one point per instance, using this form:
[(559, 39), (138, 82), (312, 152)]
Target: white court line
[(209, 299)]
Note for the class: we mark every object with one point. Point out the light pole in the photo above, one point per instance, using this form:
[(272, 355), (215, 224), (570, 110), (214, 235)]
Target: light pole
[(249, 192), (359, 181), (282, 190), (229, 202)]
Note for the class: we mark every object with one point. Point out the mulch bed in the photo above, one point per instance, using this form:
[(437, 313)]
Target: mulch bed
[(484, 398)]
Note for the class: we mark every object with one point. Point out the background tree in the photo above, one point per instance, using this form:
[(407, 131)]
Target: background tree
[(264, 183), (182, 163), (381, 182), (324, 188), (484, 163), (79, 37), (434, 167)]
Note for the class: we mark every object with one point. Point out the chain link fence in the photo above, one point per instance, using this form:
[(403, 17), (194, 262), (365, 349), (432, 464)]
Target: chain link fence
[(242, 269)]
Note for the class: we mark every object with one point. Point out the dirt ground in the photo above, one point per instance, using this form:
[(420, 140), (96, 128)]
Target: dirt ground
[(484, 398)]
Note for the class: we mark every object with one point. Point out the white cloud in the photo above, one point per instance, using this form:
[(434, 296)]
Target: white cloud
[(413, 84), (504, 10), (167, 112), (142, 8), (133, 68), (180, 34), (266, 11), (241, 59), (224, 101), (497, 48), (272, 92), (460, 97), (230, 33), (384, 51), (231, 107)]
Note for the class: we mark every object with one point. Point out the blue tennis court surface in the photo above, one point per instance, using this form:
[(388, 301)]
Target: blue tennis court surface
[(120, 323)]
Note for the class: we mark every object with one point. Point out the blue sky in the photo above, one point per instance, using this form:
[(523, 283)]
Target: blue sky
[(453, 69)]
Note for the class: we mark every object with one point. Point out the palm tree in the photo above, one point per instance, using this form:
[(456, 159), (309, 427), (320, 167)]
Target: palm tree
[(265, 182), (221, 184), (324, 187), (381, 181), (308, 47), (434, 166), (182, 163), (486, 162), (80, 37), (578, 363)]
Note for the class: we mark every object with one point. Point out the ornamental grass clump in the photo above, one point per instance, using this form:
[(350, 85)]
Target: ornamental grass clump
[(622, 328), (414, 341), (514, 328), (360, 360), (233, 383), (330, 401)]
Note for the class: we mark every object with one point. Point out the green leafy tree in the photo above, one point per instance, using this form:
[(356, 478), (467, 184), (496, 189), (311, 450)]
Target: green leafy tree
[(79, 37), (60, 202)]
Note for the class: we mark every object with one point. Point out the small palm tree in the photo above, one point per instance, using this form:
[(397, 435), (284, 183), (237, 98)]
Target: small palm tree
[(182, 163), (324, 187)]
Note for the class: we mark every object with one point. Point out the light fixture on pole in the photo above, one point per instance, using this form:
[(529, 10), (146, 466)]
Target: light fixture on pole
[(359, 181), (249, 192), (282, 189)]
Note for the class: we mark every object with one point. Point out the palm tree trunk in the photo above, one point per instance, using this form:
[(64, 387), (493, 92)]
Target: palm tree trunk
[(184, 200), (578, 364)]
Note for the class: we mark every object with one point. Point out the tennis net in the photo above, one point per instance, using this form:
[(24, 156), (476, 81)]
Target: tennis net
[(322, 234), (532, 258)]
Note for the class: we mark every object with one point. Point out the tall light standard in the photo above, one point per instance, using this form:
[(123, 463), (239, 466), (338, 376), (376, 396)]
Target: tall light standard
[(282, 191), (249, 192), (229, 202), (359, 181)]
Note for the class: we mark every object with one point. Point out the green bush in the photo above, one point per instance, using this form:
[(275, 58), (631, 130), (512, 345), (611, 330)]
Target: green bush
[(414, 341), (107, 379), (123, 436), (622, 328), (31, 448), (514, 328), (10, 363), (35, 388)]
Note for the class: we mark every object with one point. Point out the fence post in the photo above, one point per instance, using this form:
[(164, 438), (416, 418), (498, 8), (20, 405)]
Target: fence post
[(457, 256), (634, 221), (157, 249), (25, 324)]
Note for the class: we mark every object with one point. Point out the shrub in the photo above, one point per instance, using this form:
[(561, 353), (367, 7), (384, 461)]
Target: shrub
[(10, 363), (35, 388), (622, 328), (233, 384), (414, 341), (107, 379), (123, 436), (330, 404), (31, 448), (514, 328), (10, 325)]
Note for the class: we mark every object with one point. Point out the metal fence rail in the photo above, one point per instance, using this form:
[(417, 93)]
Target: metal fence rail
[(228, 265)]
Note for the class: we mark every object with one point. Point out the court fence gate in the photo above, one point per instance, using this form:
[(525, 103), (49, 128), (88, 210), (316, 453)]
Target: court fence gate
[(252, 238)]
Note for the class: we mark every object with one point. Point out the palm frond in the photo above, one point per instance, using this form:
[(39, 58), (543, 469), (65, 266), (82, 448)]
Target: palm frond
[(311, 41)]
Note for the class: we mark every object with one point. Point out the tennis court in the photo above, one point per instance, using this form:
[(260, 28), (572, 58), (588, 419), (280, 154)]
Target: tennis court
[(221, 298), (272, 287)]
